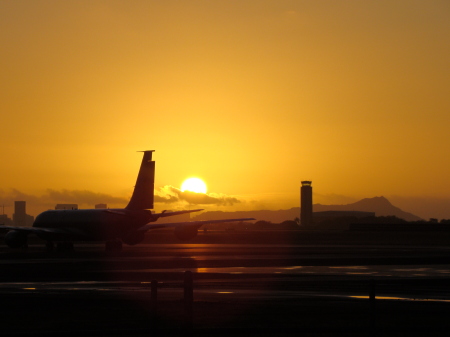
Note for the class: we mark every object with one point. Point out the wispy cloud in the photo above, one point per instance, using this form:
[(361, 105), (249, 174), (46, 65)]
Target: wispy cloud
[(48, 200), (83, 197), (170, 194), (87, 199), (333, 199)]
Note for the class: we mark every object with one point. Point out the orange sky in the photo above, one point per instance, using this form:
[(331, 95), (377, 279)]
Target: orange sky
[(251, 96)]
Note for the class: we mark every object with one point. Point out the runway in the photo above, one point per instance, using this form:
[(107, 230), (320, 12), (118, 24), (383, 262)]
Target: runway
[(236, 286), (90, 264)]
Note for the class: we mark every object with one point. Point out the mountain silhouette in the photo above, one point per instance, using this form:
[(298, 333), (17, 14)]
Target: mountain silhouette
[(380, 205)]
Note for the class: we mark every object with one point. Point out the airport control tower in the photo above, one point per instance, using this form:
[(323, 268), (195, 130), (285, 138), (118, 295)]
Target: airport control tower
[(306, 212)]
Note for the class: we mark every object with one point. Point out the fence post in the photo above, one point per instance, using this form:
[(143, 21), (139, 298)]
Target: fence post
[(153, 297), (153, 304), (373, 311), (188, 299)]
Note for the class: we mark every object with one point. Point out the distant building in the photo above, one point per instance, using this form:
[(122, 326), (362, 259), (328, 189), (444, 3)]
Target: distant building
[(66, 206), (306, 203), (101, 206), (20, 216), (5, 221)]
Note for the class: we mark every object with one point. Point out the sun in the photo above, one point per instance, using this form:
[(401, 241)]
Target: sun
[(194, 185)]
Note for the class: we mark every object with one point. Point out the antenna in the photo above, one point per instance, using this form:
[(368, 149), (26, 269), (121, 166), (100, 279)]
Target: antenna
[(3, 208)]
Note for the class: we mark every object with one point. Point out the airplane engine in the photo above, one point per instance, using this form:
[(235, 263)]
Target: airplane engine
[(16, 239), (185, 233), (133, 238)]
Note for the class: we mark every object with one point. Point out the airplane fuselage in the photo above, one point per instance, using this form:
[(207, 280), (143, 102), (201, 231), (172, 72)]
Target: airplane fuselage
[(92, 224)]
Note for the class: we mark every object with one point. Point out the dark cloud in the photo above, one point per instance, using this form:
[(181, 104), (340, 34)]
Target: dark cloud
[(87, 199), (168, 199), (8, 197), (170, 194), (36, 204), (83, 197), (63, 196)]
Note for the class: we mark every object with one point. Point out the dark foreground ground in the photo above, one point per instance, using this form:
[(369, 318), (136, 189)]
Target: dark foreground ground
[(258, 289), (106, 315)]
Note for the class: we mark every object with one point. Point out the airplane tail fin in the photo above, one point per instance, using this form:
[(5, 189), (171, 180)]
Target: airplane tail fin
[(142, 197)]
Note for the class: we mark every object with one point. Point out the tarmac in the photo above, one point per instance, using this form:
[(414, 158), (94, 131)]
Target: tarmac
[(239, 289)]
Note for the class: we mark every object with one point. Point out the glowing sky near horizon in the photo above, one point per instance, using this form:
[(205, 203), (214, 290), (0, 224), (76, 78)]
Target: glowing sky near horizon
[(250, 96)]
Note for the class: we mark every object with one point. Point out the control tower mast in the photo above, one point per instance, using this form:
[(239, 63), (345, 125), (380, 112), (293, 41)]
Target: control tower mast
[(306, 208)]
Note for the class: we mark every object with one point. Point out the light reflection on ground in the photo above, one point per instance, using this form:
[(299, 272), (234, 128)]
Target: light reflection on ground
[(381, 272), (402, 298), (384, 270), (223, 288)]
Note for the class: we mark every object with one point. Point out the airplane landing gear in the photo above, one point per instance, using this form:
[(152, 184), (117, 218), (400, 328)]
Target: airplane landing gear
[(113, 246)]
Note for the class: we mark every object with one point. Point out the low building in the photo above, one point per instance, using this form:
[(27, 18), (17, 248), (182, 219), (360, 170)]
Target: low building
[(66, 206), (5, 221)]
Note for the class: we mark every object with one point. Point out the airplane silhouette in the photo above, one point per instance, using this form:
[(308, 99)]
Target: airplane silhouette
[(113, 226)]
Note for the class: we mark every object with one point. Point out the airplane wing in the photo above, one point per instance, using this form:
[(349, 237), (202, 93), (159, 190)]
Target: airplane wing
[(164, 213), (153, 225)]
